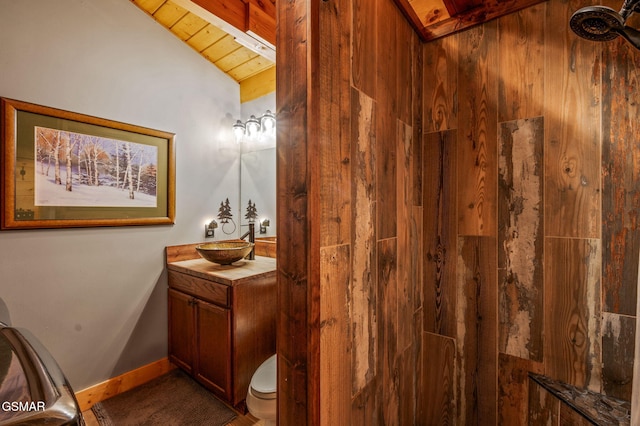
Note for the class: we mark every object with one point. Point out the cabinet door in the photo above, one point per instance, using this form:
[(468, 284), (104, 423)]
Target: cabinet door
[(181, 330), (213, 337)]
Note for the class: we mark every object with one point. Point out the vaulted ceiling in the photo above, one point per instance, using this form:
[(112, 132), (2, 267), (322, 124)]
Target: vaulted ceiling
[(238, 36), (219, 30)]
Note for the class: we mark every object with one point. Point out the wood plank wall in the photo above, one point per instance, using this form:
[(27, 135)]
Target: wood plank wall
[(531, 145), (349, 94), (457, 213)]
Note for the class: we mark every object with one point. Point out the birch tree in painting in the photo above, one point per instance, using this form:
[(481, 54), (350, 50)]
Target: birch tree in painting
[(69, 145), (127, 151), (117, 170), (51, 147)]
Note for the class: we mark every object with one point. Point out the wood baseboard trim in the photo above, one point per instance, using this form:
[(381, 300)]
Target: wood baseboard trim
[(116, 385)]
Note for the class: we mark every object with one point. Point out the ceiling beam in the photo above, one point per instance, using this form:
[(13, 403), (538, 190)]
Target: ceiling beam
[(462, 14), (251, 26)]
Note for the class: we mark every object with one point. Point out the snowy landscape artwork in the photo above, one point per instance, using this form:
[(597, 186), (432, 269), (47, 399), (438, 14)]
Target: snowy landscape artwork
[(78, 170)]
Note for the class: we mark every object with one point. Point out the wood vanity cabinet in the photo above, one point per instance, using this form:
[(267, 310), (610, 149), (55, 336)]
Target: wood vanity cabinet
[(222, 322)]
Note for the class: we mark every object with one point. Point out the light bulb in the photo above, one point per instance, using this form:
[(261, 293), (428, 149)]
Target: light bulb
[(253, 126), (238, 130)]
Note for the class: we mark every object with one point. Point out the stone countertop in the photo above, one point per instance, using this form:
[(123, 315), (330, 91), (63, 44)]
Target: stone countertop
[(237, 273), (599, 409)]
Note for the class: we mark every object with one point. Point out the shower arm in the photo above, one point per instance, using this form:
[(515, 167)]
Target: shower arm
[(628, 7), (631, 35)]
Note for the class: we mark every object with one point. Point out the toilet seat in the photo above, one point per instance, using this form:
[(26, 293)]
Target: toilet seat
[(262, 395), (264, 381)]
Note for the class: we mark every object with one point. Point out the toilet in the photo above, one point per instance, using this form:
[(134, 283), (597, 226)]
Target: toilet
[(261, 397)]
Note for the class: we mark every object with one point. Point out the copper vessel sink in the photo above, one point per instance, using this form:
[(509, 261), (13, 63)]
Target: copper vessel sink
[(225, 252)]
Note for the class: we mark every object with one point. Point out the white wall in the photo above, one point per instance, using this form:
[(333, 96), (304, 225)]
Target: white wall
[(96, 297)]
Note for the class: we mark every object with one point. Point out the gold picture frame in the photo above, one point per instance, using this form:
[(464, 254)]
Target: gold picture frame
[(61, 169)]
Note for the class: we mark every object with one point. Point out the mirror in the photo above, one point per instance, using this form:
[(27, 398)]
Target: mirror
[(258, 184), (258, 170)]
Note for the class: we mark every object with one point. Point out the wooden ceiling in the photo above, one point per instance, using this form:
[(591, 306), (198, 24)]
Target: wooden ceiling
[(238, 36), (437, 18), (211, 27)]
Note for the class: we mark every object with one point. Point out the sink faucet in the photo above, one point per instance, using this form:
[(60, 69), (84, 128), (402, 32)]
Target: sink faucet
[(251, 233)]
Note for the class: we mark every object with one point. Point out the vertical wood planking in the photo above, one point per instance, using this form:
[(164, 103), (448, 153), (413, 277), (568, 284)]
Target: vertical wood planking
[(334, 123), (417, 71), (635, 384), (441, 84), (521, 46), (521, 237), (294, 248), (386, 121), (388, 51), (386, 173), (477, 346), (513, 388), (335, 349), (407, 231), (363, 299), (440, 235), (621, 176), (544, 408), (404, 85), (388, 331), (477, 171), (438, 380), (572, 320), (365, 406), (363, 42), (572, 126), (618, 343)]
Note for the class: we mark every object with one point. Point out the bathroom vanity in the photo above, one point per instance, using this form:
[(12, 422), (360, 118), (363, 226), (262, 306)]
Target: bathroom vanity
[(222, 319)]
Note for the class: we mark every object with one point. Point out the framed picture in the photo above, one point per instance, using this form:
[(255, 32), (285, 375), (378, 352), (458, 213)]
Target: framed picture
[(60, 169)]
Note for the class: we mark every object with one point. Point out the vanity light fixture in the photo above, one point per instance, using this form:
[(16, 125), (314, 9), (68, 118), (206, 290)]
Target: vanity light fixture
[(255, 128), (263, 225)]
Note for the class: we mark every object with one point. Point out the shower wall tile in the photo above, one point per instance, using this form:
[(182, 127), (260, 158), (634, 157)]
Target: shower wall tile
[(521, 46), (440, 234), (572, 129), (572, 330), (513, 388), (388, 329), (544, 408), (618, 345), (335, 360), (521, 237), (333, 149), (407, 233), (477, 119), (362, 300), (441, 84), (621, 177), (438, 381), (476, 334)]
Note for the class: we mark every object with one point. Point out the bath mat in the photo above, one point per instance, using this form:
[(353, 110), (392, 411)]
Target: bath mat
[(172, 399)]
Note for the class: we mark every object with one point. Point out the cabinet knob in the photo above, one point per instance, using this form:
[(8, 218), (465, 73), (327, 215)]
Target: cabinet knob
[(193, 302)]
